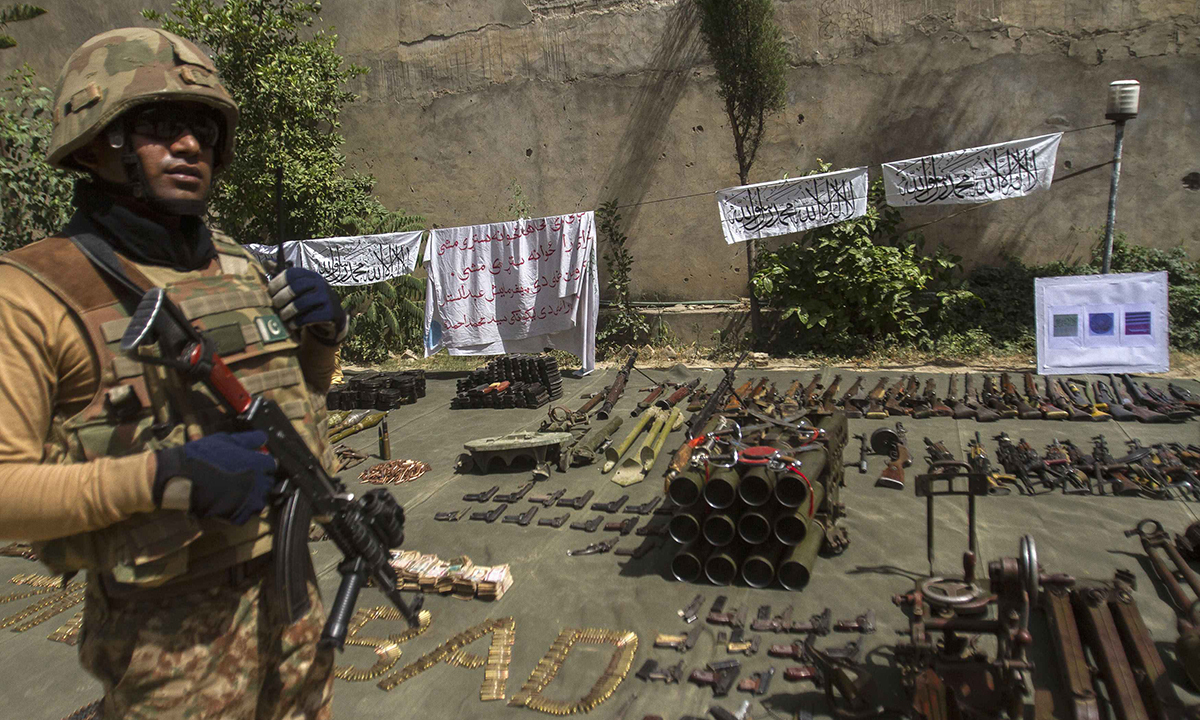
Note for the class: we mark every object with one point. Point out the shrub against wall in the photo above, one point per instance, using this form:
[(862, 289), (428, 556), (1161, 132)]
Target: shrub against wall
[(35, 198)]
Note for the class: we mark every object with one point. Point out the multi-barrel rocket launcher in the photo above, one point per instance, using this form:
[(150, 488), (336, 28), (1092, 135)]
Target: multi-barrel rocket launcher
[(763, 502)]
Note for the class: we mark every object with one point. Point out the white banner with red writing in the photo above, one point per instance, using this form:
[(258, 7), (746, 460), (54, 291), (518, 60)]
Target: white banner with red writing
[(779, 207), (514, 287), (356, 260), (974, 175)]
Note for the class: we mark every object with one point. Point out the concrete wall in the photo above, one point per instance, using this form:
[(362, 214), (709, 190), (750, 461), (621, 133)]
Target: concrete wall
[(575, 102)]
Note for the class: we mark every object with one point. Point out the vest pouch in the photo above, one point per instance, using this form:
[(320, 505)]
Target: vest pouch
[(148, 548)]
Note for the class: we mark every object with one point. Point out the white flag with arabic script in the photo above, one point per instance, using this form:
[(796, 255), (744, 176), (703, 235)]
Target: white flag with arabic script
[(974, 175), (779, 207)]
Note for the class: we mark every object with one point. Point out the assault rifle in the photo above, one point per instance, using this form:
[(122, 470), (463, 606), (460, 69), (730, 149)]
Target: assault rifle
[(617, 388), (789, 404), (972, 401), (364, 528), (992, 399), (826, 405), (936, 406), (1048, 410), (700, 420), (850, 402), (1025, 411), (961, 409), (875, 409)]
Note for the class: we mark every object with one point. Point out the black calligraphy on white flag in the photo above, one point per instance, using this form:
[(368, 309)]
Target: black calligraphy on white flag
[(975, 175), (358, 260), (786, 206)]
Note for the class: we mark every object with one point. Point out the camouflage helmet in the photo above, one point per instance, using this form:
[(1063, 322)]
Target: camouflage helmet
[(122, 69)]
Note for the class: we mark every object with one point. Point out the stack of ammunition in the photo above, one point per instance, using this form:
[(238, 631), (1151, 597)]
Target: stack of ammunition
[(377, 390), (762, 521), (529, 369), (501, 395), (458, 576)]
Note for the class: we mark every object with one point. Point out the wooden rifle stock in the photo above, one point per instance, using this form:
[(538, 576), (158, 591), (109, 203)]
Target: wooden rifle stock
[(891, 401), (617, 388), (1024, 410), (850, 401), (742, 392), (789, 404), (647, 401), (961, 410), (810, 391), (678, 395), (875, 398), (826, 405), (993, 400), (1047, 408), (936, 406)]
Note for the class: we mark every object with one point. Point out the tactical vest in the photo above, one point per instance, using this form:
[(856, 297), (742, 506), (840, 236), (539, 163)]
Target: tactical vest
[(139, 407)]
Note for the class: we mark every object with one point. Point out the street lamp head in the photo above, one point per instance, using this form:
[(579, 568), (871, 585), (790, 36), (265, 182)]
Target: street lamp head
[(1123, 97)]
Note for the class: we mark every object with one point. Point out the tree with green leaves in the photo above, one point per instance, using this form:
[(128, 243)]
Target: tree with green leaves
[(290, 84), (13, 14), (35, 198), (746, 47)]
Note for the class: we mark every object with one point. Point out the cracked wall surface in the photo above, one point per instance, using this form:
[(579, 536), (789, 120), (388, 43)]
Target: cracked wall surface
[(577, 101)]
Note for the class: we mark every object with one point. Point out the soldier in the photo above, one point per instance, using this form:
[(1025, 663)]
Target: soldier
[(119, 468)]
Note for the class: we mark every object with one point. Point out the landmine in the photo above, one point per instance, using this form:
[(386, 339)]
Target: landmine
[(541, 448)]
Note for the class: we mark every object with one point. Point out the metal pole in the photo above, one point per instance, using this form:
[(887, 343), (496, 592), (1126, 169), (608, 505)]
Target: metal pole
[(1112, 197)]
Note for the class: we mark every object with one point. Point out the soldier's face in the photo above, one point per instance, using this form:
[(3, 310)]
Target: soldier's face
[(175, 144)]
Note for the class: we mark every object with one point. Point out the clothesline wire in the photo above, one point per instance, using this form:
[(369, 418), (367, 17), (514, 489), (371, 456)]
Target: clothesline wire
[(710, 192)]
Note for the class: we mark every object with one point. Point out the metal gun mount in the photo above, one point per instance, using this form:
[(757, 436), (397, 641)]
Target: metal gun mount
[(952, 672), (536, 446)]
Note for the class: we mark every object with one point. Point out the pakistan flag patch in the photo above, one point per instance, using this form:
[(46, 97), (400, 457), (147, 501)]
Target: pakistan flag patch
[(270, 328)]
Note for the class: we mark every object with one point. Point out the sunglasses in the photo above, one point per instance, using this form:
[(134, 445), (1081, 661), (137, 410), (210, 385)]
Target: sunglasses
[(166, 124)]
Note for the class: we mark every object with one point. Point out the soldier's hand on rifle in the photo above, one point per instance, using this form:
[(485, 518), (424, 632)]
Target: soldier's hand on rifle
[(304, 299), (223, 475)]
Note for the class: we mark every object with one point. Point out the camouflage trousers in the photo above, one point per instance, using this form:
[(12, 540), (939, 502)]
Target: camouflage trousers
[(215, 653)]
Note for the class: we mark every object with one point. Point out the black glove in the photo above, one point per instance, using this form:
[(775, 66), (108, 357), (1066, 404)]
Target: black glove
[(230, 476), (303, 299)]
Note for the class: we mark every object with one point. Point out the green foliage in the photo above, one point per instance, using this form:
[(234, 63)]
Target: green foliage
[(1006, 292), (35, 198), (746, 47), (288, 81), (626, 323), (12, 14), (849, 287), (389, 316)]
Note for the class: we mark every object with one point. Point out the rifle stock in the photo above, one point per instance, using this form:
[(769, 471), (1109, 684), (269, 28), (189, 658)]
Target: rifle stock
[(617, 388)]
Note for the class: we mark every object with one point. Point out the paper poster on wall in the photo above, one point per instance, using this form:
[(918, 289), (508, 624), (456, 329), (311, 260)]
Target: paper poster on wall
[(1102, 323)]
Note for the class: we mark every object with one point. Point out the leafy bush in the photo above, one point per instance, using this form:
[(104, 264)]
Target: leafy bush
[(389, 316), (848, 287), (1006, 292), (626, 324), (288, 80), (35, 198)]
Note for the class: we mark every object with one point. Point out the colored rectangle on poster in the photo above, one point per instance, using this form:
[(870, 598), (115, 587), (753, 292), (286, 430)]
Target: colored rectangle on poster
[(1066, 325), (1101, 323), (1137, 323)]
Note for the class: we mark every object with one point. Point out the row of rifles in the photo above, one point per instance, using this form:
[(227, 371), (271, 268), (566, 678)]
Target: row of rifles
[(1119, 397)]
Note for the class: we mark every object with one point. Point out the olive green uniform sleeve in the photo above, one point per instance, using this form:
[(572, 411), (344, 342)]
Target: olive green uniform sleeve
[(46, 367)]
